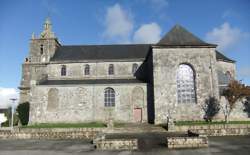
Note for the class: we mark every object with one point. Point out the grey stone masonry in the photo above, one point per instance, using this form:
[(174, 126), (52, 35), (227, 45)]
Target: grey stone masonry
[(117, 144), (165, 64), (51, 133), (85, 103), (187, 142), (216, 130)]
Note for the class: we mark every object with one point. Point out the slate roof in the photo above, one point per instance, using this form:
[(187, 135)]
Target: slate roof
[(101, 52), (90, 81), (220, 56), (179, 36)]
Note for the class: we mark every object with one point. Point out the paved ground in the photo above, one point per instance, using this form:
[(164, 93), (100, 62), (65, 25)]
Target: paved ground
[(217, 146)]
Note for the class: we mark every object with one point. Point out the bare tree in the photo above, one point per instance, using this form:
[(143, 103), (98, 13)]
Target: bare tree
[(234, 92)]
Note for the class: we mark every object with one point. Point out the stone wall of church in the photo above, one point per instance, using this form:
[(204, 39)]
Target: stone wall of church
[(85, 103), (98, 70), (225, 67), (238, 113), (165, 65)]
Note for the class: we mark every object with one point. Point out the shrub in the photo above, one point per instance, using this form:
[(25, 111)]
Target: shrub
[(23, 112), (211, 108), (247, 106)]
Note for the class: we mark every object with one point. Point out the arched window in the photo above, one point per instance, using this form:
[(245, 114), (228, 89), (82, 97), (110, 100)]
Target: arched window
[(111, 69), (223, 80), (53, 99), (229, 76), (41, 49), (63, 70), (86, 69), (134, 68), (186, 84), (109, 97)]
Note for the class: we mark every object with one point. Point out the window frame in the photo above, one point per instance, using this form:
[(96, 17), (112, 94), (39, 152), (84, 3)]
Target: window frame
[(111, 69), (109, 97), (87, 69), (186, 85), (63, 70), (41, 49)]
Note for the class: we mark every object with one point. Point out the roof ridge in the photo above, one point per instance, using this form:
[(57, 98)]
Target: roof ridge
[(109, 45)]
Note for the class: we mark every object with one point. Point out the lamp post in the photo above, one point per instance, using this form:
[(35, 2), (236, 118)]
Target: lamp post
[(12, 111)]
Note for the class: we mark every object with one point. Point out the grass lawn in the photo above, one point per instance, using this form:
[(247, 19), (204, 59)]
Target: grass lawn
[(67, 125), (179, 123)]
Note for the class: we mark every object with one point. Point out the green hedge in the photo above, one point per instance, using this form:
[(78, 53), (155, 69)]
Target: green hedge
[(23, 112)]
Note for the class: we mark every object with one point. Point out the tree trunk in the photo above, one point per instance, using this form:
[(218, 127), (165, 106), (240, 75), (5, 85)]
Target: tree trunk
[(226, 118)]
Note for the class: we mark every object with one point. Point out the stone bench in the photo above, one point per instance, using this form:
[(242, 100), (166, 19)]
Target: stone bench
[(187, 142), (49, 135), (117, 144)]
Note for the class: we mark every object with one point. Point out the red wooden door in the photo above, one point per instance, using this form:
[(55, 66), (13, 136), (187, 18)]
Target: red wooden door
[(137, 114)]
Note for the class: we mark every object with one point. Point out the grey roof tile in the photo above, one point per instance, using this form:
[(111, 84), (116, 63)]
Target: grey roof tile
[(179, 36), (101, 52), (220, 56)]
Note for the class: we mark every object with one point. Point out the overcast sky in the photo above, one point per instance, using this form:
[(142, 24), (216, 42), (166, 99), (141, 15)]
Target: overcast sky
[(223, 22)]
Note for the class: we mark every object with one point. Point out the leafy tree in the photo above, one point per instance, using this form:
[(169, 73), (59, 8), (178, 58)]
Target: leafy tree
[(23, 112), (234, 92), (211, 108)]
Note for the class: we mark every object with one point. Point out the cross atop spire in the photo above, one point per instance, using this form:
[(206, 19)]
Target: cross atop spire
[(47, 29)]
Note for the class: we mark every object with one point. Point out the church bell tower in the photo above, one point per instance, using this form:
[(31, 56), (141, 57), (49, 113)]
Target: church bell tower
[(43, 47)]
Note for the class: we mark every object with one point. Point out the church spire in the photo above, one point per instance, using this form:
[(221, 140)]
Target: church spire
[(47, 29)]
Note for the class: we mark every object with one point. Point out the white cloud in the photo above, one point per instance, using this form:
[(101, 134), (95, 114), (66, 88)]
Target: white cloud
[(159, 4), (5, 95), (148, 33), (225, 36), (118, 24)]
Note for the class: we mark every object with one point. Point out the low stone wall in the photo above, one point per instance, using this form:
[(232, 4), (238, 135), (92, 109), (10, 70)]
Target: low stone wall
[(117, 144), (51, 133), (187, 142), (216, 129)]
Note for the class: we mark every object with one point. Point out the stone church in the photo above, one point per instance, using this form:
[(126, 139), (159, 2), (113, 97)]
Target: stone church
[(126, 83)]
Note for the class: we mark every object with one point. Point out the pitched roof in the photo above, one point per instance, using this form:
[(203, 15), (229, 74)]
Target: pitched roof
[(179, 36), (90, 81), (220, 56), (101, 52)]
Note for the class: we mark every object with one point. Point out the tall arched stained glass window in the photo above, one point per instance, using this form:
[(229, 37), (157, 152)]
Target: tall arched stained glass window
[(185, 84)]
